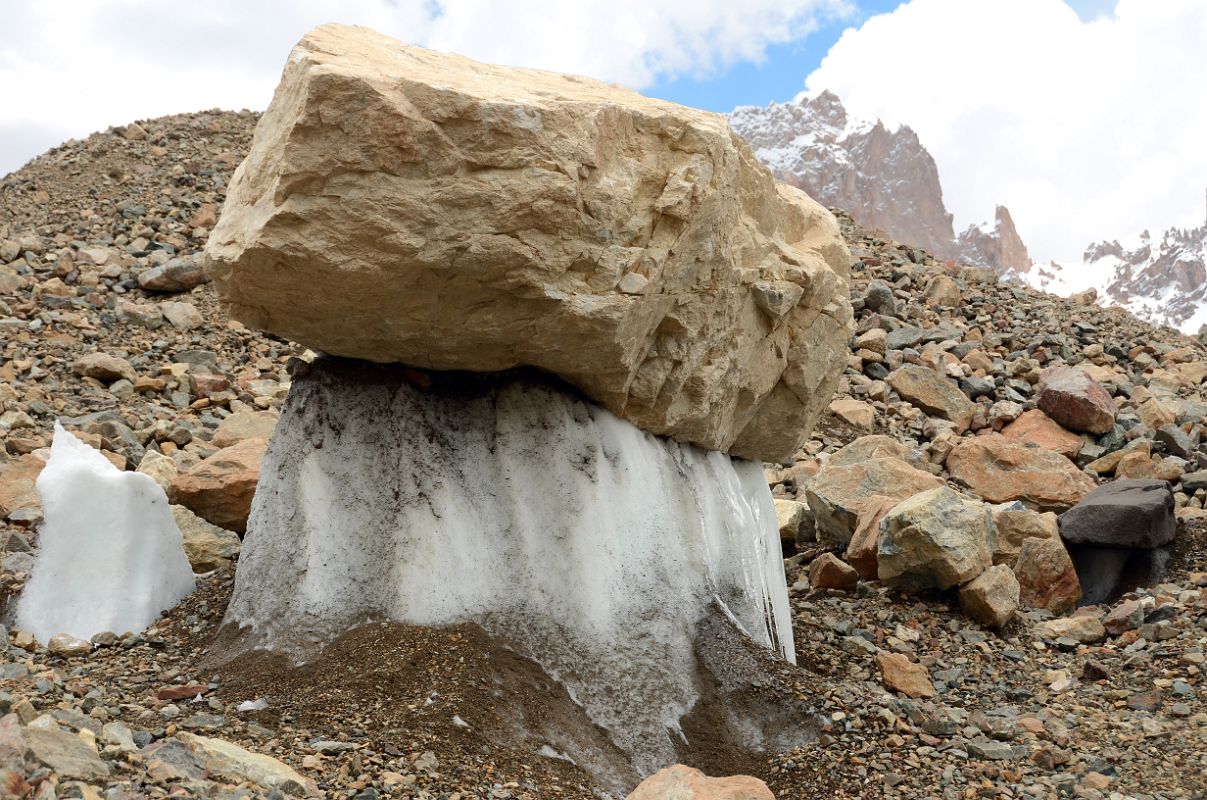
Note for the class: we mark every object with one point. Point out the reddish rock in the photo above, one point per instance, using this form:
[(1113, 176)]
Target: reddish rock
[(684, 783), (841, 493), (1036, 427), (1046, 576), (865, 543), (828, 571), (1076, 401), (900, 674), (1126, 616), (1001, 470), (220, 488), (186, 692), (17, 484), (203, 383)]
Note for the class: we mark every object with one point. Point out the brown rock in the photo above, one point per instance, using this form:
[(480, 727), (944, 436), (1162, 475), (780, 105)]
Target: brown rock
[(182, 692), (684, 783), (1084, 628), (243, 425), (1012, 528), (900, 674), (462, 216), (934, 394), (220, 488), (1046, 576), (1001, 470), (865, 542), (1036, 427), (1126, 616), (991, 598), (855, 413), (18, 483), (1075, 401), (828, 571), (103, 367)]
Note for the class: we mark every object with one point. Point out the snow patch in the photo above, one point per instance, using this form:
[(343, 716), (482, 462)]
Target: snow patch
[(110, 556)]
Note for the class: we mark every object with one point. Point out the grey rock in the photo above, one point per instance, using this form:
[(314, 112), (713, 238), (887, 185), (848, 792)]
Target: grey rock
[(1123, 513)]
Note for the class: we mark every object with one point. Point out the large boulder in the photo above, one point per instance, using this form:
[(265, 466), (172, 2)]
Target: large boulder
[(991, 598), (1002, 470), (840, 493), (1046, 576), (1123, 513), (403, 205), (934, 540), (934, 394), (220, 488), (1036, 427), (1013, 524), (1076, 401)]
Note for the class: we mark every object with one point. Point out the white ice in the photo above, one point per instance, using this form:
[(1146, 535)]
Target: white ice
[(593, 546), (109, 554)]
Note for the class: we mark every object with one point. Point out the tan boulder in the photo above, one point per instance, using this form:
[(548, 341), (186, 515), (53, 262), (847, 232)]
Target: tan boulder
[(840, 493), (790, 517), (220, 488), (1001, 470), (684, 783), (1036, 427), (1084, 628), (934, 540), (991, 598), (404, 205), (207, 546), (243, 425), (162, 469), (855, 413), (103, 367), (1012, 527), (934, 394), (868, 447)]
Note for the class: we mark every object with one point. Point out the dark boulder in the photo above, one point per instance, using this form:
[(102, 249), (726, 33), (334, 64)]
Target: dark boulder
[(1123, 513)]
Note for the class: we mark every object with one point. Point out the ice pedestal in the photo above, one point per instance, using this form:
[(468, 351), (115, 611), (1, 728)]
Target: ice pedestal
[(588, 545), (109, 555)]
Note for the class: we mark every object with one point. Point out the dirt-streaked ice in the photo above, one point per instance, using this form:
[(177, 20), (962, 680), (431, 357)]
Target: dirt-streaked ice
[(589, 545)]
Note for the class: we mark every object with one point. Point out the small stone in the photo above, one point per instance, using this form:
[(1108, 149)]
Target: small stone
[(103, 367), (1084, 629), (900, 674), (63, 644), (827, 571), (684, 783)]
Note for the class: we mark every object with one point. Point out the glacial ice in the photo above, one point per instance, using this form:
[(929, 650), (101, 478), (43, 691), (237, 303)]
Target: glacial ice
[(593, 547), (110, 556)]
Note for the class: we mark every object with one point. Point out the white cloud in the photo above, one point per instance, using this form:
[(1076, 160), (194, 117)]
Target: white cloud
[(1085, 129), (70, 67)]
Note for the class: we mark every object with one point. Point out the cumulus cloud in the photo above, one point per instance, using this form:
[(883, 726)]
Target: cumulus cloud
[(74, 66), (1087, 126)]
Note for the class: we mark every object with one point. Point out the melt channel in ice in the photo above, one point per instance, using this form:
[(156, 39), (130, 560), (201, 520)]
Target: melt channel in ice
[(109, 554), (585, 543)]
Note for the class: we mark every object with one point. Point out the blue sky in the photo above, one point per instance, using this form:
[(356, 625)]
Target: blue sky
[(777, 78), (780, 76)]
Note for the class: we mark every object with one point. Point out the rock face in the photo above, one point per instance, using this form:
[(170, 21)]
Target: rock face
[(934, 540), (1076, 401), (400, 205), (497, 500), (1123, 513), (998, 245), (1001, 470)]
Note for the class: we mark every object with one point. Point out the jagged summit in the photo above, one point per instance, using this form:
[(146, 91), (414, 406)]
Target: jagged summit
[(884, 177)]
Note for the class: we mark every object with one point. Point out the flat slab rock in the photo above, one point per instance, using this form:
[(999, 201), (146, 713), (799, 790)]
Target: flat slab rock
[(1123, 513), (403, 205)]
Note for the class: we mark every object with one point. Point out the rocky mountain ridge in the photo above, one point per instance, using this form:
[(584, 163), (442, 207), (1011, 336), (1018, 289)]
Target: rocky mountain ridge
[(884, 178)]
